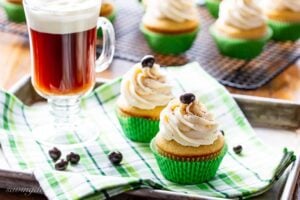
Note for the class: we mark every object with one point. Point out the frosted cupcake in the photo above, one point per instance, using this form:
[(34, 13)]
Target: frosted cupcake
[(145, 91), (241, 30), (189, 147), (14, 10), (283, 16), (170, 26), (213, 7), (108, 10)]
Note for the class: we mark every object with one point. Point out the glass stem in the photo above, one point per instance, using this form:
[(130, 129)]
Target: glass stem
[(65, 112)]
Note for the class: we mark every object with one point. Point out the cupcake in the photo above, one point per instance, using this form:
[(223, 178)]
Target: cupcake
[(170, 26), (107, 10), (14, 10), (145, 91), (213, 7), (283, 16), (241, 30), (189, 147)]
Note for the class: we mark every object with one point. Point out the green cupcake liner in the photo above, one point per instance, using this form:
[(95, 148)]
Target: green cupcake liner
[(213, 7), (14, 12), (168, 43), (111, 18), (284, 31), (138, 129), (188, 172), (240, 48)]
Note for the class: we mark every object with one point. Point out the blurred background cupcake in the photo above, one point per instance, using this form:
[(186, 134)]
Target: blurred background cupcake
[(145, 91), (189, 147), (14, 10), (213, 7), (170, 26), (108, 10), (283, 16), (241, 30)]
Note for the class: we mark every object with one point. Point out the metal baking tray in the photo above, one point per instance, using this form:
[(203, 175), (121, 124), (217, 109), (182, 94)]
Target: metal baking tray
[(276, 122)]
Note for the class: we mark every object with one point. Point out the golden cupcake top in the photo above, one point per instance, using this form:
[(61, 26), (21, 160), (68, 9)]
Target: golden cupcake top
[(145, 86), (281, 5), (107, 8), (243, 14), (188, 122), (174, 10)]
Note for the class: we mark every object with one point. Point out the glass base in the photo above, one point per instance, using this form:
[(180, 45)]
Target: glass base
[(66, 126), (80, 134)]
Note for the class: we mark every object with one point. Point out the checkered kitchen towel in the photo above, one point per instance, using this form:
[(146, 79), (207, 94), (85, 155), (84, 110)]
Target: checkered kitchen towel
[(239, 176)]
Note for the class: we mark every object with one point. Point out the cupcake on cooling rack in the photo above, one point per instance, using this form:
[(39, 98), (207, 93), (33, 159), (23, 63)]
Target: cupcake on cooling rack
[(241, 30), (14, 10), (213, 7), (283, 16), (108, 10), (170, 26), (145, 91), (189, 147)]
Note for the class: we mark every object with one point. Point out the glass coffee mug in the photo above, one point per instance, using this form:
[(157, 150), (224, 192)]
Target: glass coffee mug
[(63, 55)]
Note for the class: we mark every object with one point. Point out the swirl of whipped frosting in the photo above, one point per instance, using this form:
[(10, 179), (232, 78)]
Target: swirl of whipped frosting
[(243, 14), (293, 5), (146, 87), (175, 10), (188, 124)]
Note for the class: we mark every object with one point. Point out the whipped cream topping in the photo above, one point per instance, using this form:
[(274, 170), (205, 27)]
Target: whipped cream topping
[(188, 124), (146, 88), (175, 10), (62, 16), (243, 14), (293, 5)]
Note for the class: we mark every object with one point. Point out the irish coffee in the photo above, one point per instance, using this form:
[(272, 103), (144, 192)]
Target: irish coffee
[(63, 64), (63, 44)]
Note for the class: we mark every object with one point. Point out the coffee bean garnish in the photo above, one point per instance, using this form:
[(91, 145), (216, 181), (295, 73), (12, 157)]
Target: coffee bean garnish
[(115, 157), (223, 133), (148, 61), (187, 98), (238, 149), (61, 165), (54, 153), (73, 158)]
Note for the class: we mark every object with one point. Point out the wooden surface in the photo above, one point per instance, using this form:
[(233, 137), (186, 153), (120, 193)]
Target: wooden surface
[(15, 63)]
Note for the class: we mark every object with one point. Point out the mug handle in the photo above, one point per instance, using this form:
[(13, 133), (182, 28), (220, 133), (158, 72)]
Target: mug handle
[(108, 50)]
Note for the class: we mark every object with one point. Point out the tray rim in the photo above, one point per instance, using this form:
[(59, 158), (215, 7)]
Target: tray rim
[(288, 188)]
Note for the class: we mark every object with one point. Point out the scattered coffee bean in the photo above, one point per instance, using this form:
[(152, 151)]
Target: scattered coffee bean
[(115, 157), (73, 158), (61, 165), (223, 133), (54, 153), (238, 149), (148, 61), (187, 98)]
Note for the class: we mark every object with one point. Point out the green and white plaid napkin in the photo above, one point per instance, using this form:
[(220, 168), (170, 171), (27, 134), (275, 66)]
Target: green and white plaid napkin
[(240, 176)]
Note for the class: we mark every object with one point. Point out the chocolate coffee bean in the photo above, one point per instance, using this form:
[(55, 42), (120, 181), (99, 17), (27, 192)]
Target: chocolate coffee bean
[(54, 153), (61, 165), (238, 149), (115, 157), (148, 61), (223, 133), (187, 98), (73, 158)]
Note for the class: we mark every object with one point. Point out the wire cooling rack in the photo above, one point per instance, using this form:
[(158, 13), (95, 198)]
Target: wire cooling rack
[(240, 74)]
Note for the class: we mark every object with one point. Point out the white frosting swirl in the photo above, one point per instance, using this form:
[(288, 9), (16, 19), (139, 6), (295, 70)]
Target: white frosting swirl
[(243, 14), (175, 10), (293, 5), (146, 88), (189, 125)]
